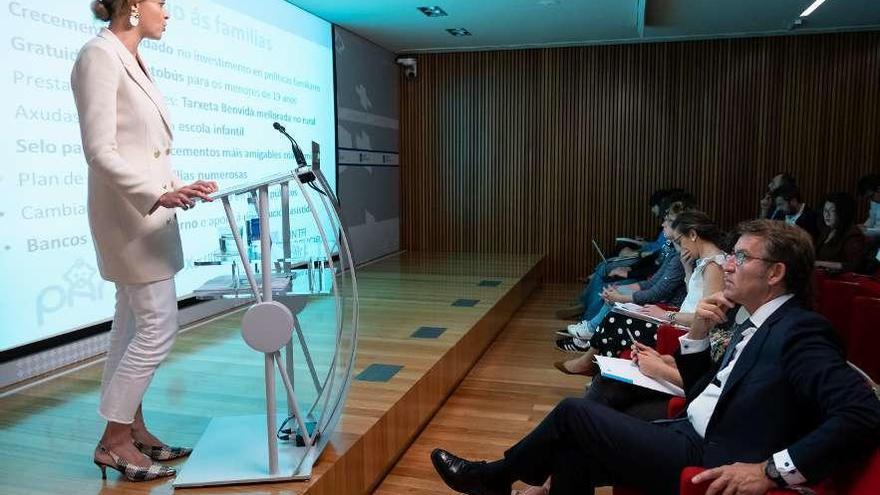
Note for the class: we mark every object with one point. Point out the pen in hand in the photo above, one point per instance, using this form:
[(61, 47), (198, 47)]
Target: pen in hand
[(631, 337)]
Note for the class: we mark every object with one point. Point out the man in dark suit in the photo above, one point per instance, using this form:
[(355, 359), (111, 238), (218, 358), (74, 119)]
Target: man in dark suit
[(768, 203), (791, 209), (782, 406)]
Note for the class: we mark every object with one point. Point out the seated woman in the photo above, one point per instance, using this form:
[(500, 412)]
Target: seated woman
[(842, 246), (697, 237), (666, 286), (625, 270)]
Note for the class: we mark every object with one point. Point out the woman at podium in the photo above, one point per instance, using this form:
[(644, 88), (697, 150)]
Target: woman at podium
[(133, 196)]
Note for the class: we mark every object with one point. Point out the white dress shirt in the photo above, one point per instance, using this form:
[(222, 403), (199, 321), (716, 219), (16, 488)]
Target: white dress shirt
[(701, 408), (872, 226), (792, 219)]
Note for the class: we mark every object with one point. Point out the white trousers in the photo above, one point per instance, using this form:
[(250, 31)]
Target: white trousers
[(143, 331)]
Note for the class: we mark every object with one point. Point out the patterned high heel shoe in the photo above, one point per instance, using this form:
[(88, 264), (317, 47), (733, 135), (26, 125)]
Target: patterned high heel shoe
[(163, 452), (131, 471)]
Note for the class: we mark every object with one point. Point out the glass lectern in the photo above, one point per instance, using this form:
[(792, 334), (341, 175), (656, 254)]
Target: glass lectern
[(312, 297)]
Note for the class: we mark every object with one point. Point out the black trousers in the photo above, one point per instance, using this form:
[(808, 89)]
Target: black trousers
[(583, 444), (632, 400)]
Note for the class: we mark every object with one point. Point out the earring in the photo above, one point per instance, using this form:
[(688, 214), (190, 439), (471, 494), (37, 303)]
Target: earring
[(135, 18)]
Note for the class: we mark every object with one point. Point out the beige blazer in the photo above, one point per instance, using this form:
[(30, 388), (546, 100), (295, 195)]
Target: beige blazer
[(126, 137)]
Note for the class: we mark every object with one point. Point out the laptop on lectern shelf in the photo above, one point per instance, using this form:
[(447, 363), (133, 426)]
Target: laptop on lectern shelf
[(316, 156)]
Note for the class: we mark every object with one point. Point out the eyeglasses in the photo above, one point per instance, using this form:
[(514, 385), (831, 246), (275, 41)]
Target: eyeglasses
[(677, 240), (740, 257)]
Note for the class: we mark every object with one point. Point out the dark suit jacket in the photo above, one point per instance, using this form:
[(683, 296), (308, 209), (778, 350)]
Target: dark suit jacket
[(790, 389), (809, 221)]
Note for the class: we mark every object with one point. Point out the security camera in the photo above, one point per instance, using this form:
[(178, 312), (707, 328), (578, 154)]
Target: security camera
[(410, 66)]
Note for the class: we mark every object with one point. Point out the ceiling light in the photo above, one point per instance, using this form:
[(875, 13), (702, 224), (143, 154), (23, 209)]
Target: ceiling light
[(812, 7), (434, 11), (458, 32)]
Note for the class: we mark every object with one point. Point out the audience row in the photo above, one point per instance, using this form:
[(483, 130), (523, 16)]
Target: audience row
[(770, 400)]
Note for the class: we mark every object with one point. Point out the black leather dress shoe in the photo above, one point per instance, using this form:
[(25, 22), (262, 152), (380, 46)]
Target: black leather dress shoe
[(465, 476)]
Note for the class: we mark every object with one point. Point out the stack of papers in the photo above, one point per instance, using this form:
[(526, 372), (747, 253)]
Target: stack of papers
[(624, 370)]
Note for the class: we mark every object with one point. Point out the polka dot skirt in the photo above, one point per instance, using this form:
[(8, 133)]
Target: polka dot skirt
[(611, 337)]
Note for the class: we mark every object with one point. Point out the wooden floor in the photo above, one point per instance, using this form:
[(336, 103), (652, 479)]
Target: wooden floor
[(48, 432), (507, 393)]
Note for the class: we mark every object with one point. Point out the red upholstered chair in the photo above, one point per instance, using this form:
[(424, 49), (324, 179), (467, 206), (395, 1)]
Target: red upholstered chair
[(863, 479), (869, 284), (864, 335), (820, 275), (688, 488), (836, 299), (870, 287), (675, 407), (850, 276), (667, 338)]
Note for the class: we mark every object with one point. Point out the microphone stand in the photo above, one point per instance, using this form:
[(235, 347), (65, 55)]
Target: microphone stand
[(305, 175)]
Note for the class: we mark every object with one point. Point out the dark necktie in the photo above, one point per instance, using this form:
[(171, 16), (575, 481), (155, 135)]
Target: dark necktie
[(735, 338)]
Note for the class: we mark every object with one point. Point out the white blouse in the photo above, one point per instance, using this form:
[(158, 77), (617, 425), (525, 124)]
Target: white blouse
[(696, 285)]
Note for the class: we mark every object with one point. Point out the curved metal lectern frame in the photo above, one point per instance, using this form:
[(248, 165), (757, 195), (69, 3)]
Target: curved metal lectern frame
[(333, 388)]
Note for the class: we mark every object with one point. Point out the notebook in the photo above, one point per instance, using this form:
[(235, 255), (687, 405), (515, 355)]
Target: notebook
[(624, 370)]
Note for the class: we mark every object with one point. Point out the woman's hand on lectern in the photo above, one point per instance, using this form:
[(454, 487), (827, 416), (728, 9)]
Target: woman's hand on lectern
[(176, 199), (201, 188), (184, 196), (198, 189), (206, 186)]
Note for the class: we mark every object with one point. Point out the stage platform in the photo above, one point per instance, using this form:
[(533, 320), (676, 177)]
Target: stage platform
[(504, 397), (426, 318)]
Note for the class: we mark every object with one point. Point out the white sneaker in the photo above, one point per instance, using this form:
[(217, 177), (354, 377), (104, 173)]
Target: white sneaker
[(581, 330)]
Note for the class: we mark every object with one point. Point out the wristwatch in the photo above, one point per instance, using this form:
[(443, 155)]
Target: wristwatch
[(670, 315), (772, 473)]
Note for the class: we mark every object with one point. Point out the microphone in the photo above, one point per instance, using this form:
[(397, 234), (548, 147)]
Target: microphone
[(297, 152)]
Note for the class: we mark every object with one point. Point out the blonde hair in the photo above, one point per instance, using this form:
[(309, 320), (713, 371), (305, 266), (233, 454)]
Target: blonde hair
[(104, 10)]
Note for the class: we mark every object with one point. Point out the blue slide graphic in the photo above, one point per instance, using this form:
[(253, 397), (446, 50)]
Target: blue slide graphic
[(228, 70)]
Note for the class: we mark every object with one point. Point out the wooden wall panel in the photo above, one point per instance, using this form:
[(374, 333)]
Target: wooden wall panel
[(540, 150)]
